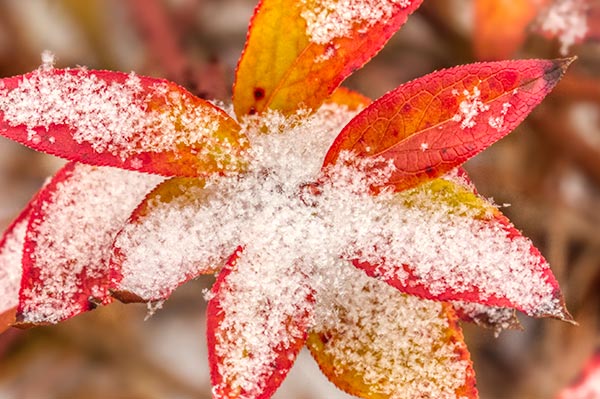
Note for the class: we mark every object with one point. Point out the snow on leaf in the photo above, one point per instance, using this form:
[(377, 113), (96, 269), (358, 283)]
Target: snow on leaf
[(587, 385), (494, 38), (72, 225), (256, 325), (458, 246), (433, 124), (11, 254), (118, 119), (325, 42), (157, 249), (383, 344)]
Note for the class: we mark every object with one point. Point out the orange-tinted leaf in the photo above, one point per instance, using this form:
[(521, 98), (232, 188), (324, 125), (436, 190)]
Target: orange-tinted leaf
[(116, 119), (350, 98), (156, 250), (252, 341), (433, 124), (587, 385), (474, 255), (7, 318), (501, 26), (73, 223), (324, 41), (11, 254), (385, 344)]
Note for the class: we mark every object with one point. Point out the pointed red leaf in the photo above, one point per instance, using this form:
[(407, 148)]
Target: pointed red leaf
[(157, 250), (325, 42), (72, 226), (118, 119), (454, 245), (11, 254), (383, 344), (254, 330), (433, 124)]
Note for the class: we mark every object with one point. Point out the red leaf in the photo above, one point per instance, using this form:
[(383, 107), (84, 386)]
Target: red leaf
[(252, 342), (72, 226), (468, 252), (433, 124), (155, 251), (116, 119), (587, 385), (325, 42), (11, 254), (383, 344)]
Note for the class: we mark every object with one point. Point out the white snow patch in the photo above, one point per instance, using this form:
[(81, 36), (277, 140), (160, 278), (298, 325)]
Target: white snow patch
[(566, 20), (200, 229), (469, 108), (327, 20)]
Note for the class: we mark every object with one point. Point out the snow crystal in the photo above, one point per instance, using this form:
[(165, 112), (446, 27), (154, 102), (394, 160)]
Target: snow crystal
[(396, 343), (74, 237), (48, 59), (10, 265), (119, 118), (567, 20), (498, 121), (469, 108), (327, 20)]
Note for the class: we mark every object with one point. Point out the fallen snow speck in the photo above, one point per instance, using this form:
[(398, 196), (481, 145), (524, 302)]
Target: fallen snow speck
[(48, 59)]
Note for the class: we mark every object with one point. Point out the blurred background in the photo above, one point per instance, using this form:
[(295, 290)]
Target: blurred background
[(549, 169)]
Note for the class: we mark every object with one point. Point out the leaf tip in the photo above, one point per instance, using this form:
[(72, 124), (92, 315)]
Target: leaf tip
[(558, 67)]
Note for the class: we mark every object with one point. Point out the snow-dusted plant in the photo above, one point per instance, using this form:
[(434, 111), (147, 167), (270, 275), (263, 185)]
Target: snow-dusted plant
[(331, 221)]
